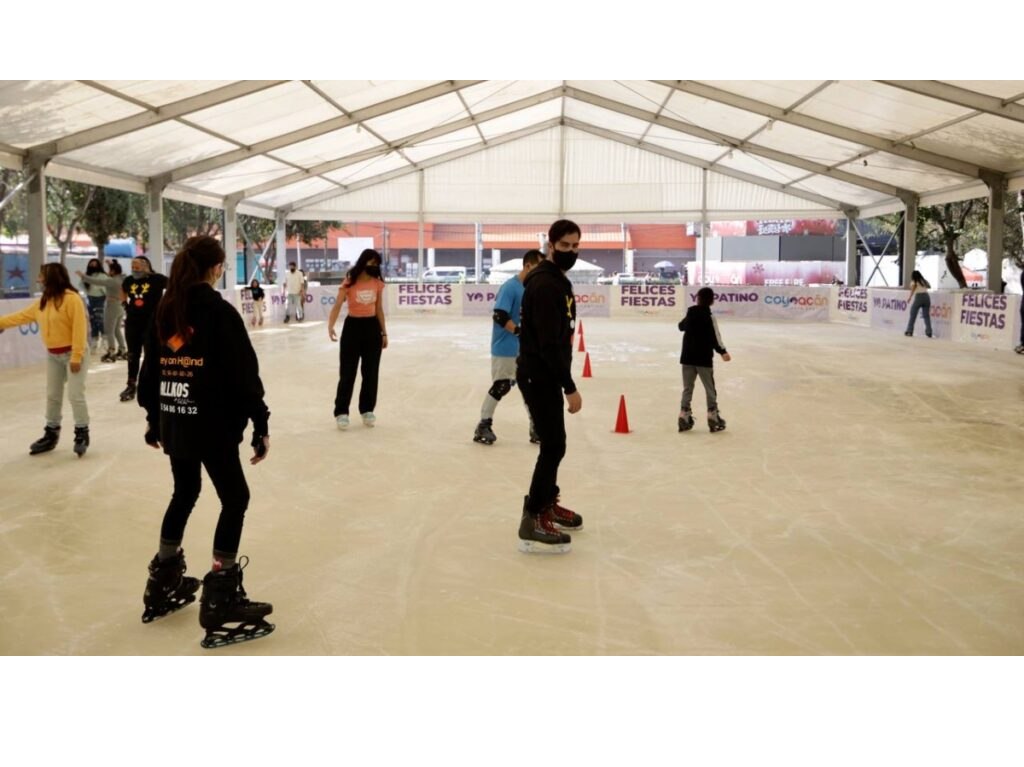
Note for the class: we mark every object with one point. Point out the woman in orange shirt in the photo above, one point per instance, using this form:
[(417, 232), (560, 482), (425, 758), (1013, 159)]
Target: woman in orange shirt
[(363, 336), (63, 327)]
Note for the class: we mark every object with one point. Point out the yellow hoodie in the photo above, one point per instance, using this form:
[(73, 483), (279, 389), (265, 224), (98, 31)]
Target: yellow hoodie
[(61, 326)]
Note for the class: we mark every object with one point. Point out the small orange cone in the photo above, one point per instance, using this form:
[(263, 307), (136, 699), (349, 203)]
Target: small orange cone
[(583, 346), (586, 367), (622, 422), (579, 326)]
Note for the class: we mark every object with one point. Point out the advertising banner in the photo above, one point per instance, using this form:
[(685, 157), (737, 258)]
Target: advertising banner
[(744, 301), (593, 300), (410, 298), (793, 273), (21, 345), (637, 300), (890, 311), (851, 305), (985, 318), (800, 304), (478, 300)]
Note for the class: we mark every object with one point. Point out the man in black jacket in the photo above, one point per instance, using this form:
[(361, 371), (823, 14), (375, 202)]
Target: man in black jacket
[(543, 372), (701, 340)]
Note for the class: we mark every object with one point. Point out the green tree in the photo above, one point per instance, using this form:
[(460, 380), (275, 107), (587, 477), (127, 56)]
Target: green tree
[(255, 233), (137, 225), (185, 219), (14, 214), (66, 203), (106, 217), (942, 227)]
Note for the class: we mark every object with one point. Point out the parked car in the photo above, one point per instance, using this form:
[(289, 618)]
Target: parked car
[(445, 274), (624, 278)]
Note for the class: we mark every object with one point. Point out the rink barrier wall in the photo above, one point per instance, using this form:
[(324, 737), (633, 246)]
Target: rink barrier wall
[(972, 316)]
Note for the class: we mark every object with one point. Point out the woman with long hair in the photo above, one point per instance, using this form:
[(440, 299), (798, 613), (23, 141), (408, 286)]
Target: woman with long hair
[(920, 300), (60, 313), (363, 337), (96, 296), (113, 310), (200, 386), (258, 295)]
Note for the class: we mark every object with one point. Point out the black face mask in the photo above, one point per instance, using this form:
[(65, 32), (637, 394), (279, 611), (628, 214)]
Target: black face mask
[(565, 259), (373, 271)]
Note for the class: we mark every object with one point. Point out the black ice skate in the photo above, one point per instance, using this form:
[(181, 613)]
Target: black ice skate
[(483, 434), (534, 436), (538, 535), (81, 440), (715, 421), (128, 393), (223, 602), (685, 420), (51, 435), (565, 519), (167, 589)]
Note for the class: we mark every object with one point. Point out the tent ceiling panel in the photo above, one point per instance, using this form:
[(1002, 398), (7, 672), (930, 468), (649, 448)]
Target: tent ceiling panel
[(356, 94), (448, 143), (759, 166), (684, 143), (880, 109), (330, 146), (396, 199), (152, 151), (280, 197), (36, 111), (496, 93), (1003, 89), (904, 173), (713, 116), (260, 116), (630, 127), (725, 193), (778, 93), (606, 176), (366, 169), (802, 142), (419, 117), (642, 94), (157, 93), (241, 175), (840, 190), (522, 119), (986, 139)]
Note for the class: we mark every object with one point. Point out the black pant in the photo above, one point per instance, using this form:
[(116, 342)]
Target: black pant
[(96, 304), (225, 470), (360, 339), (547, 409), (135, 335)]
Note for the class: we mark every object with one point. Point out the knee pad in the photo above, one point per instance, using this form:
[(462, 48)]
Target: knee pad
[(500, 388)]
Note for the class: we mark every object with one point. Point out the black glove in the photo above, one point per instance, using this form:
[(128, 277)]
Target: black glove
[(152, 435), (258, 444)]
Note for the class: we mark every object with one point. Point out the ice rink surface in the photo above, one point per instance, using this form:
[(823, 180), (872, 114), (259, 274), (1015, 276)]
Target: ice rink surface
[(865, 499)]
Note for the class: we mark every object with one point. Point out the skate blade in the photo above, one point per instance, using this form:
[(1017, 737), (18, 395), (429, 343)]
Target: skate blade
[(214, 639), (568, 528), (536, 547), (481, 441), (155, 613)]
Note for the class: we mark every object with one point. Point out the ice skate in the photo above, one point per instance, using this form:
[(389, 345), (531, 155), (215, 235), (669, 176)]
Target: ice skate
[(122, 356), (129, 392), (369, 419), (341, 421), (685, 420), (538, 535), (1019, 349), (109, 356), (51, 435), (483, 434), (81, 440), (534, 436), (167, 590), (715, 421), (565, 519), (224, 602)]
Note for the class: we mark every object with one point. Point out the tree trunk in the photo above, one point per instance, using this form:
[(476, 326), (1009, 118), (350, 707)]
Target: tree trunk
[(953, 263)]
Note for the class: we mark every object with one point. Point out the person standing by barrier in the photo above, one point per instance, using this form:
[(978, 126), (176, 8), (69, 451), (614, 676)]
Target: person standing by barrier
[(363, 337), (294, 288), (60, 313), (113, 311), (258, 295), (200, 387), (701, 340), (142, 291), (505, 348), (95, 295), (919, 300), (544, 372)]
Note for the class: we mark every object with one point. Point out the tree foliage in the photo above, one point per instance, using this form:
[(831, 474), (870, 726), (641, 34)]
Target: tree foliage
[(66, 205), (106, 217)]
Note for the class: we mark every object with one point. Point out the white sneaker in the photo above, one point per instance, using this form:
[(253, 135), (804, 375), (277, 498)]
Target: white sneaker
[(369, 419), (342, 421)]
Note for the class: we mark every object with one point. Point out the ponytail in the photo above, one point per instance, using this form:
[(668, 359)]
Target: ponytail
[(190, 267)]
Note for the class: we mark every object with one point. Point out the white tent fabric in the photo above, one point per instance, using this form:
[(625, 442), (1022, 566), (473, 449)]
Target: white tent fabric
[(484, 150)]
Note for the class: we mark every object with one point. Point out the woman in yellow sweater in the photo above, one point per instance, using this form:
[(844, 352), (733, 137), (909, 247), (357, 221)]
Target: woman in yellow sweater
[(64, 327)]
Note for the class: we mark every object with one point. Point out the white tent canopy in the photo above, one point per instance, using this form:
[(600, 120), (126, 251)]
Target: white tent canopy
[(510, 150)]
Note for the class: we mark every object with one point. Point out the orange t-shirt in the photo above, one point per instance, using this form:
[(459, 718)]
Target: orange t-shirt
[(362, 297)]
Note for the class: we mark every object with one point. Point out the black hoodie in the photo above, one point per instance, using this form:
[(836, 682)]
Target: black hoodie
[(548, 322), (203, 392), (701, 338)]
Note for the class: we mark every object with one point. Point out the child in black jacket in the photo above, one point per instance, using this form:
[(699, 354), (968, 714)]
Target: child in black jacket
[(701, 340)]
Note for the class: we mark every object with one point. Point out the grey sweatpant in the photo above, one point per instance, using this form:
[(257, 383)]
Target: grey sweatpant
[(707, 377)]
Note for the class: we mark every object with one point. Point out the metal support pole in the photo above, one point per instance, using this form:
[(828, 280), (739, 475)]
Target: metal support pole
[(995, 236), (231, 245), (155, 193), (18, 188), (280, 224), (478, 251), (704, 227), (419, 252), (852, 272), (909, 243), (36, 223)]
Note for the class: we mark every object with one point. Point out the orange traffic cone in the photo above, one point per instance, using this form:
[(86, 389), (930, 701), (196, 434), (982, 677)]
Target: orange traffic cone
[(622, 422), (583, 346), (586, 367), (579, 326)]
